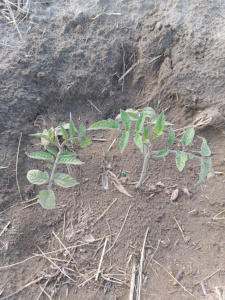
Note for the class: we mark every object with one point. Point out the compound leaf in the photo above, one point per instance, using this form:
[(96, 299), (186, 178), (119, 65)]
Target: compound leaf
[(105, 124), (204, 171), (85, 142), (181, 158), (46, 199), (171, 138), (124, 141), (37, 177), (159, 126), (188, 136), (64, 133), (51, 150), (146, 132), (126, 120), (41, 155), (64, 180), (140, 123), (205, 150), (82, 130), (69, 160), (162, 153), (138, 141)]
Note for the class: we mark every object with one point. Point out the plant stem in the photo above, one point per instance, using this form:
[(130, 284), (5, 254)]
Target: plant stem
[(147, 154), (174, 151)]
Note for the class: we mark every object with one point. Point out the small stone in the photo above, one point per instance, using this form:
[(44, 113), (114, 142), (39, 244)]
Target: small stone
[(174, 195)]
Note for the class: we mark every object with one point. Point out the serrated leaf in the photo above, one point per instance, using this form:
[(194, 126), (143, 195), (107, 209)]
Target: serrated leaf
[(205, 150), (105, 124), (159, 126), (203, 172), (181, 158), (171, 138), (37, 177), (41, 155), (67, 153), (51, 150), (82, 130), (50, 166), (146, 132), (64, 180), (126, 120), (138, 141), (188, 136), (72, 129), (46, 199), (140, 123), (85, 142), (69, 160), (162, 153), (191, 156), (64, 133), (124, 141)]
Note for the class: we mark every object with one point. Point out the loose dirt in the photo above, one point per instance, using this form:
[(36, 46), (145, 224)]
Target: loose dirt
[(72, 55)]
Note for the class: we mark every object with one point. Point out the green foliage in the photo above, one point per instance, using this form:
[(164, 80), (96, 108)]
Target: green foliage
[(140, 123), (138, 142), (162, 153), (59, 137), (105, 124), (181, 159), (124, 141), (187, 137), (171, 138), (159, 126), (126, 120), (205, 151)]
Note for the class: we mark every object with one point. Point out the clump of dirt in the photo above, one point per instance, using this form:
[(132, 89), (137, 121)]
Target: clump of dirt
[(92, 59)]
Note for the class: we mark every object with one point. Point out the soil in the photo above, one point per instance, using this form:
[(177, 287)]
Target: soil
[(70, 59)]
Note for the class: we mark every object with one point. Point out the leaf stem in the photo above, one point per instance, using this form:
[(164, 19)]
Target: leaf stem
[(147, 154), (174, 151)]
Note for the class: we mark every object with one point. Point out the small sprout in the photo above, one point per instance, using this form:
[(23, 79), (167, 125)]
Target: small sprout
[(59, 138)]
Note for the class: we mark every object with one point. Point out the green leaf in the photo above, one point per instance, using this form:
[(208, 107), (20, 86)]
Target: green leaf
[(191, 156), (64, 133), (133, 114), (159, 126), (72, 129), (181, 158), (41, 155), (149, 113), (51, 150), (50, 166), (162, 153), (69, 160), (124, 141), (46, 199), (43, 135), (37, 177), (51, 133), (146, 132), (140, 123), (204, 171), (147, 141), (188, 136), (138, 141), (171, 138), (85, 142), (64, 180), (82, 130), (67, 153), (105, 124), (205, 150), (126, 120)]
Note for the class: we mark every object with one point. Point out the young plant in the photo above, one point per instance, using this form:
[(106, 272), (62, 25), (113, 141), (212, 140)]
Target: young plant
[(60, 139), (148, 129)]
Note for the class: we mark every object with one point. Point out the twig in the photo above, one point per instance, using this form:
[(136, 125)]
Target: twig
[(89, 279), (132, 281), (43, 290), (183, 287), (110, 147), (105, 211), (208, 277), (203, 289), (215, 217), (108, 14), (138, 296), (61, 243), (30, 205), (99, 140), (95, 106), (127, 72), (13, 18), (120, 230), (100, 263), (17, 158), (180, 229), (179, 275), (4, 229)]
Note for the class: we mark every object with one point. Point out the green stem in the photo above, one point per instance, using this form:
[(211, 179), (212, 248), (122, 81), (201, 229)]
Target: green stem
[(147, 154), (174, 151)]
